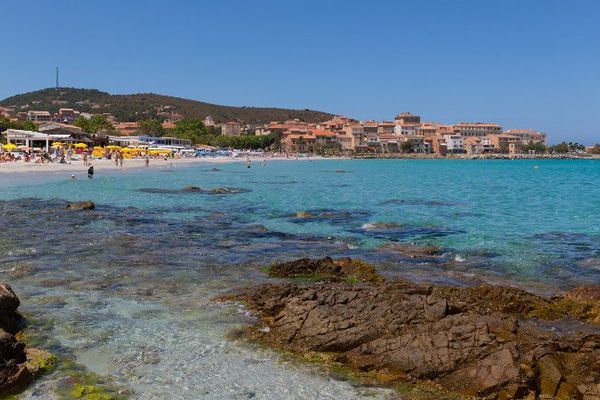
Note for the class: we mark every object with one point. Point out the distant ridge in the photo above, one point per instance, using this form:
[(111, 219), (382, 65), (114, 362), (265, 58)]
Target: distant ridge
[(133, 107)]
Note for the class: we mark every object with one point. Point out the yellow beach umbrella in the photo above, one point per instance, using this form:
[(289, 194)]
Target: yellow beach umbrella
[(9, 146), (57, 144), (81, 145)]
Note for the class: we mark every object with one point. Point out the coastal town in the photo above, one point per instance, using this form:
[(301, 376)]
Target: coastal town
[(406, 135)]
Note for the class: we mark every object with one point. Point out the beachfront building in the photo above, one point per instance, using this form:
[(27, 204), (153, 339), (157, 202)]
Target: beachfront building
[(437, 144), (413, 144), (478, 145), (73, 132), (30, 140), (506, 144), (166, 141), (231, 128), (370, 129), (356, 136), (477, 129), (325, 141), (528, 136), (149, 141), (39, 116), (387, 143), (294, 143), (454, 143)]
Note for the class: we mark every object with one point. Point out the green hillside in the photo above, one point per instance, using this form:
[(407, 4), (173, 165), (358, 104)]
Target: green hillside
[(133, 107)]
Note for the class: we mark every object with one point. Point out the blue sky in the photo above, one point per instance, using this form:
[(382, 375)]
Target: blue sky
[(520, 63)]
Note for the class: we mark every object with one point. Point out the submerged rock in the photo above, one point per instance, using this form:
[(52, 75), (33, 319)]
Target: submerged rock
[(477, 341), (194, 189), (410, 250), (332, 216), (18, 366), (81, 205)]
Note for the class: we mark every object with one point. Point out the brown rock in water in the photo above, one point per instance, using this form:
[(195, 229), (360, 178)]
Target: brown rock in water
[(410, 250), (9, 302), (81, 205), (478, 341), (193, 189), (326, 269), (16, 371)]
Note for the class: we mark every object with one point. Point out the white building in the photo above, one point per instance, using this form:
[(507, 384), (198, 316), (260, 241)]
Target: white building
[(454, 143), (34, 140), (406, 129)]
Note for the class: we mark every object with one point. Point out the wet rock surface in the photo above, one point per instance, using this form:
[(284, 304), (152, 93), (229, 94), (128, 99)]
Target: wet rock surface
[(13, 373), (474, 341), (81, 205), (18, 366), (328, 269)]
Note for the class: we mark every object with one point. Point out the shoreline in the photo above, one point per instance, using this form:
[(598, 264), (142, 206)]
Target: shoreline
[(18, 167), (422, 156)]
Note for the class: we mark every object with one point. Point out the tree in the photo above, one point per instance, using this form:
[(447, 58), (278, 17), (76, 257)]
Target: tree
[(565, 147), (192, 129), (94, 124), (534, 147), (26, 125), (406, 147), (151, 127)]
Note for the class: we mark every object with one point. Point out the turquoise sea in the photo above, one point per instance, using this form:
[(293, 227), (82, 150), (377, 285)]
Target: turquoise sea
[(125, 291)]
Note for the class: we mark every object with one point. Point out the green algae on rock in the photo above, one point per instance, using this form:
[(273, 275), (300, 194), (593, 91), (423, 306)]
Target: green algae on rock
[(326, 269)]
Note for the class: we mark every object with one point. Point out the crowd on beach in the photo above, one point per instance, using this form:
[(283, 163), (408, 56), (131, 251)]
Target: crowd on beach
[(65, 154)]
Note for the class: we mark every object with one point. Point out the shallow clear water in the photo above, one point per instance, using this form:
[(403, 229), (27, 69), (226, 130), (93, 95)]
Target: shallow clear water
[(125, 290)]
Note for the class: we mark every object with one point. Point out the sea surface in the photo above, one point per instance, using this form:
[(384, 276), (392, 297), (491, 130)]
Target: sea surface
[(123, 294)]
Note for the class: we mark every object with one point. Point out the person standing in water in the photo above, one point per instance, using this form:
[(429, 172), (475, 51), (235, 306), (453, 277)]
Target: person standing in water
[(147, 160), (91, 172)]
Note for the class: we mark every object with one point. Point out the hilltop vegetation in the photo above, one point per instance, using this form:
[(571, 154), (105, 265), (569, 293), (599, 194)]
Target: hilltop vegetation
[(135, 107)]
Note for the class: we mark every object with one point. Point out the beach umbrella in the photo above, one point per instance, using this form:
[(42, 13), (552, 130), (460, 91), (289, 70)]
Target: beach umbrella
[(57, 144), (81, 145), (9, 146), (26, 148)]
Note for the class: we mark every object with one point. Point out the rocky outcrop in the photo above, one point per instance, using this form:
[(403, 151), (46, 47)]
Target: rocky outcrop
[(479, 341), (326, 269), (81, 205), (18, 366)]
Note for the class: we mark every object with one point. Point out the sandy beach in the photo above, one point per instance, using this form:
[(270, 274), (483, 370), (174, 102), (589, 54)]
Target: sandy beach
[(99, 165), (75, 167)]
